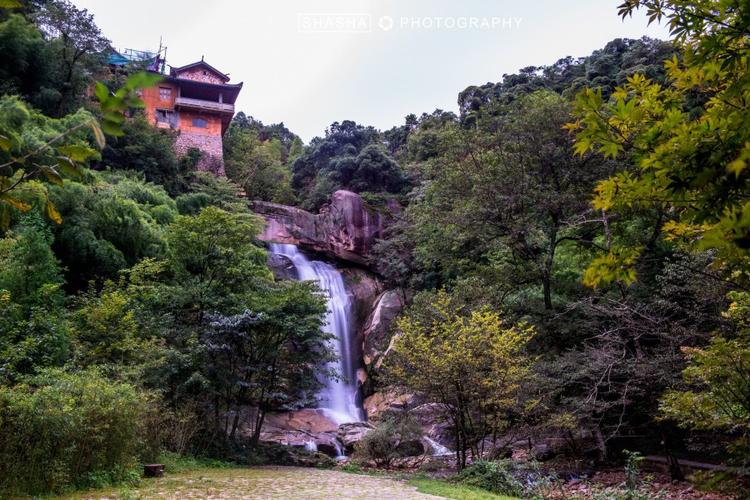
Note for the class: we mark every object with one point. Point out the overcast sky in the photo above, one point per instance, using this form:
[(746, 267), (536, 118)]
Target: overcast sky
[(308, 63)]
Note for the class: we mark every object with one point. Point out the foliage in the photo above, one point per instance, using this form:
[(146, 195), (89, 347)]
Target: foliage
[(490, 476), (511, 190), (257, 165), (481, 357), (717, 395), (64, 430), (605, 69), (147, 150), (78, 45), (214, 258), (348, 157), (250, 360), (390, 440), (33, 146), (109, 224), (688, 164)]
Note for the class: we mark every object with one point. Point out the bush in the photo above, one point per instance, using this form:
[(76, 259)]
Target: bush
[(391, 439), (491, 476), (62, 430)]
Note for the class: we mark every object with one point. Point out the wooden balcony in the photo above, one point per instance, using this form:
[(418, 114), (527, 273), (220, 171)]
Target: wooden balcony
[(201, 105)]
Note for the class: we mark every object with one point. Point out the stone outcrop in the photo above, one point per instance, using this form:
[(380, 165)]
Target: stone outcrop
[(351, 433), (384, 402), (375, 333), (345, 229)]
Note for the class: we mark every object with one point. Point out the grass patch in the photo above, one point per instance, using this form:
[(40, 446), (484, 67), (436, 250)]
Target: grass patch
[(175, 463), (455, 491)]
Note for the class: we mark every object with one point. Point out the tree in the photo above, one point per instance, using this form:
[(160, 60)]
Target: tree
[(472, 364), (348, 157), (689, 163), (35, 147), (717, 379), (148, 150), (268, 360), (79, 41), (510, 186), (214, 258), (257, 165)]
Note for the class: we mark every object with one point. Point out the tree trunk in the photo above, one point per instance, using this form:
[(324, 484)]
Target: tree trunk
[(600, 444), (258, 426)]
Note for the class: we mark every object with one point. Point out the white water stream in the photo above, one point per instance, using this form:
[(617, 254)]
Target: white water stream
[(339, 395)]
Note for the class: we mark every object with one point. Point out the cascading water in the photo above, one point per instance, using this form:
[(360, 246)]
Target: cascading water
[(339, 396)]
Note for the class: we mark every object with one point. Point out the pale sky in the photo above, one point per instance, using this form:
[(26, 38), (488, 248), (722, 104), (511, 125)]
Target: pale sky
[(308, 63)]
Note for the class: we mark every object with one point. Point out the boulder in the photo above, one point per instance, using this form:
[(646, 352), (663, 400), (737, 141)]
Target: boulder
[(411, 448), (300, 429), (431, 417), (282, 267), (346, 228), (386, 401), (351, 433), (387, 306), (309, 420)]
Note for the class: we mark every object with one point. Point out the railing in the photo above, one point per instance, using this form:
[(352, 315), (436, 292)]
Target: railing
[(200, 104)]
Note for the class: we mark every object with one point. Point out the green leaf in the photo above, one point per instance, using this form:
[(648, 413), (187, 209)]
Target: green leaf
[(5, 143), (102, 92), (10, 4), (77, 153), (112, 128), (51, 174), (68, 166)]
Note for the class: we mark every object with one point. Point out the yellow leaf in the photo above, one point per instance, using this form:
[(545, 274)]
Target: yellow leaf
[(53, 213), (18, 204)]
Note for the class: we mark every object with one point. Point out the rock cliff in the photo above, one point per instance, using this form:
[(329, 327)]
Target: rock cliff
[(345, 229)]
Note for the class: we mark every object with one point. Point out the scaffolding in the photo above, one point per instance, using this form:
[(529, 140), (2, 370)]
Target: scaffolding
[(141, 59)]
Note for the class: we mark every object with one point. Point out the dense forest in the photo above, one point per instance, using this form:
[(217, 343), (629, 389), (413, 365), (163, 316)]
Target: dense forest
[(572, 247)]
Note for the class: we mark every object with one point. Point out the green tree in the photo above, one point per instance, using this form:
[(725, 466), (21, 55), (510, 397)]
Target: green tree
[(147, 150), (269, 360), (214, 258), (79, 45), (510, 189), (472, 364), (689, 163), (717, 377), (257, 165)]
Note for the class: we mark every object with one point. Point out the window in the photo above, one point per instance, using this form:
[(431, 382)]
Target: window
[(200, 123), (165, 93), (165, 116)]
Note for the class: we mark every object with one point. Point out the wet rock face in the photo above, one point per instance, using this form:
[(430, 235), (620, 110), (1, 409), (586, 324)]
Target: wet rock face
[(345, 229), (282, 267)]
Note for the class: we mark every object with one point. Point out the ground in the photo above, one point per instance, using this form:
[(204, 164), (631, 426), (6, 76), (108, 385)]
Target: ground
[(265, 482)]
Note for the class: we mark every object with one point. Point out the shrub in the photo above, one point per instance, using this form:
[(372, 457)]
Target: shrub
[(64, 430), (491, 476), (393, 438)]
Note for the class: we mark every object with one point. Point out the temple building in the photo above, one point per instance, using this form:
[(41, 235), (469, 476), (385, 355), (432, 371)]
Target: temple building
[(197, 101)]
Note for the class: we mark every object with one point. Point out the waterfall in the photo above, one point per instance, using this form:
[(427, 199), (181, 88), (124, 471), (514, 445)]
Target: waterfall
[(438, 449), (339, 395)]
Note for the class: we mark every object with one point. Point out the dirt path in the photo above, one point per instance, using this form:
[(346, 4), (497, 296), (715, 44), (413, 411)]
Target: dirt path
[(267, 482)]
